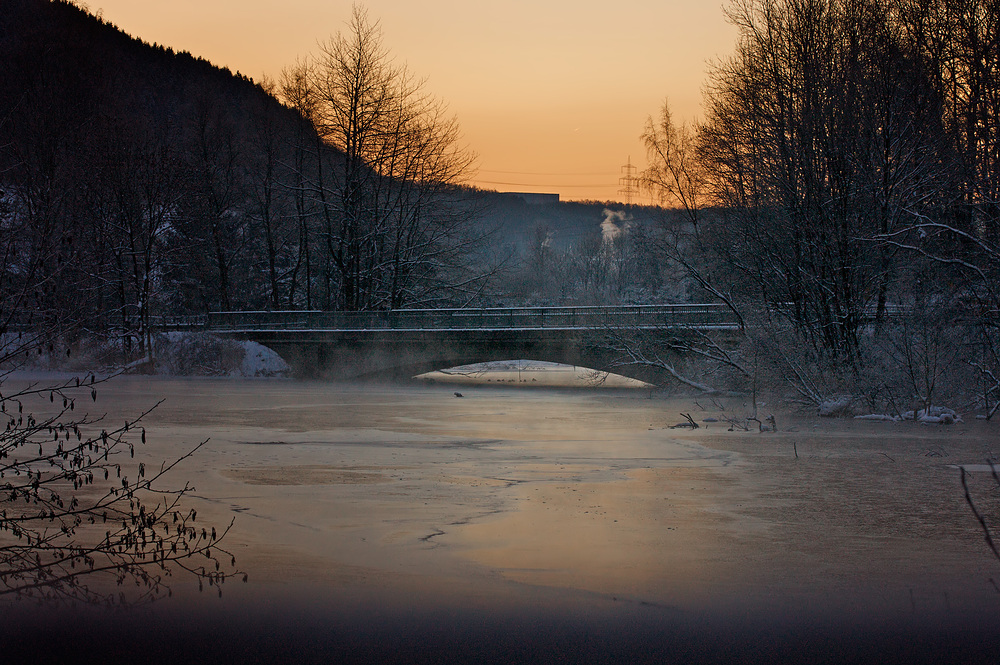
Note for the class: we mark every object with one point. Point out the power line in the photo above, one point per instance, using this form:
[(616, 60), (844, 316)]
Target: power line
[(535, 184), (605, 173)]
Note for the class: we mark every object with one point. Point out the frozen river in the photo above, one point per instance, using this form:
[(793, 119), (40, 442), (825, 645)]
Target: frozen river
[(516, 525)]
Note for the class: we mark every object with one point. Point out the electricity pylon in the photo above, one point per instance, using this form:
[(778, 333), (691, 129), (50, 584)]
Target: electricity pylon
[(629, 182)]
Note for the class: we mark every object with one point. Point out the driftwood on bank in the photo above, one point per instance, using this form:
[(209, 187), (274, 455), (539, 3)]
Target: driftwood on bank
[(689, 424)]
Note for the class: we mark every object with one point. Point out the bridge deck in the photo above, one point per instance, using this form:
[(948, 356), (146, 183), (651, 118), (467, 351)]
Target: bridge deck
[(699, 316)]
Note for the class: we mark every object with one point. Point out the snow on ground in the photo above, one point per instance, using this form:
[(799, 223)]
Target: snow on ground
[(841, 406), (201, 354), (936, 415), (258, 360), (174, 354), (836, 407)]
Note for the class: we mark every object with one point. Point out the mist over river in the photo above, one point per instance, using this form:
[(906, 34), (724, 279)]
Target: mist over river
[(408, 524)]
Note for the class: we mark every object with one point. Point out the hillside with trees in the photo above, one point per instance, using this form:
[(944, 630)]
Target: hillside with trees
[(582, 252), (138, 182)]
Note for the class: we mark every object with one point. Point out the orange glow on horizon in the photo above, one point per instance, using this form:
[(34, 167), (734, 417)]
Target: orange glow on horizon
[(551, 96)]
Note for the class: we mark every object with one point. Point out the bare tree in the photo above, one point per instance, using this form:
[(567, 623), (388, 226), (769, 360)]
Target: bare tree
[(693, 358), (273, 206), (134, 194), (306, 148), (677, 176), (674, 174), (396, 221), (215, 211), (819, 136), (959, 44), (984, 523)]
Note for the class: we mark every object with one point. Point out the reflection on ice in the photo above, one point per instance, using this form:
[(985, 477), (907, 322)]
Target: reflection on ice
[(535, 373)]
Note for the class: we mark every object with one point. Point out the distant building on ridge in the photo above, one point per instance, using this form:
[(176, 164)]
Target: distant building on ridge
[(535, 199)]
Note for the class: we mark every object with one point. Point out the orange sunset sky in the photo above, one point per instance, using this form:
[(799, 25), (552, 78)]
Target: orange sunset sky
[(551, 94)]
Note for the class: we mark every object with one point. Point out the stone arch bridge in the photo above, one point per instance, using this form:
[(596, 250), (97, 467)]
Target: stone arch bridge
[(404, 343)]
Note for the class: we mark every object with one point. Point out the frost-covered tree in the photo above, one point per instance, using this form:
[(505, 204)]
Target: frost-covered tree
[(822, 133)]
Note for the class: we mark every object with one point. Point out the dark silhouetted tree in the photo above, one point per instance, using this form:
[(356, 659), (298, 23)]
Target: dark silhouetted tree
[(396, 225)]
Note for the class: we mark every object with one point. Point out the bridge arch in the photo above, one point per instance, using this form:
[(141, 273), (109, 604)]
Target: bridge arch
[(403, 357)]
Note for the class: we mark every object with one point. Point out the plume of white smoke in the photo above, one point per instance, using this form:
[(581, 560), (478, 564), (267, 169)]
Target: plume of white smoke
[(615, 223)]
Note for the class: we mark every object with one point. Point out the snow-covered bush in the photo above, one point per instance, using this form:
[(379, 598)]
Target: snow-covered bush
[(174, 354), (202, 354), (836, 407)]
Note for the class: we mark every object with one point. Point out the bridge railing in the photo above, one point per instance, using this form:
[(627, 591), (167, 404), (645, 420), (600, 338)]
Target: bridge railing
[(639, 316), (695, 315), (177, 323)]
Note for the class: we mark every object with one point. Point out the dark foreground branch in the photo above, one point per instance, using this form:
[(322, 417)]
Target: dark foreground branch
[(75, 526), (987, 532)]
